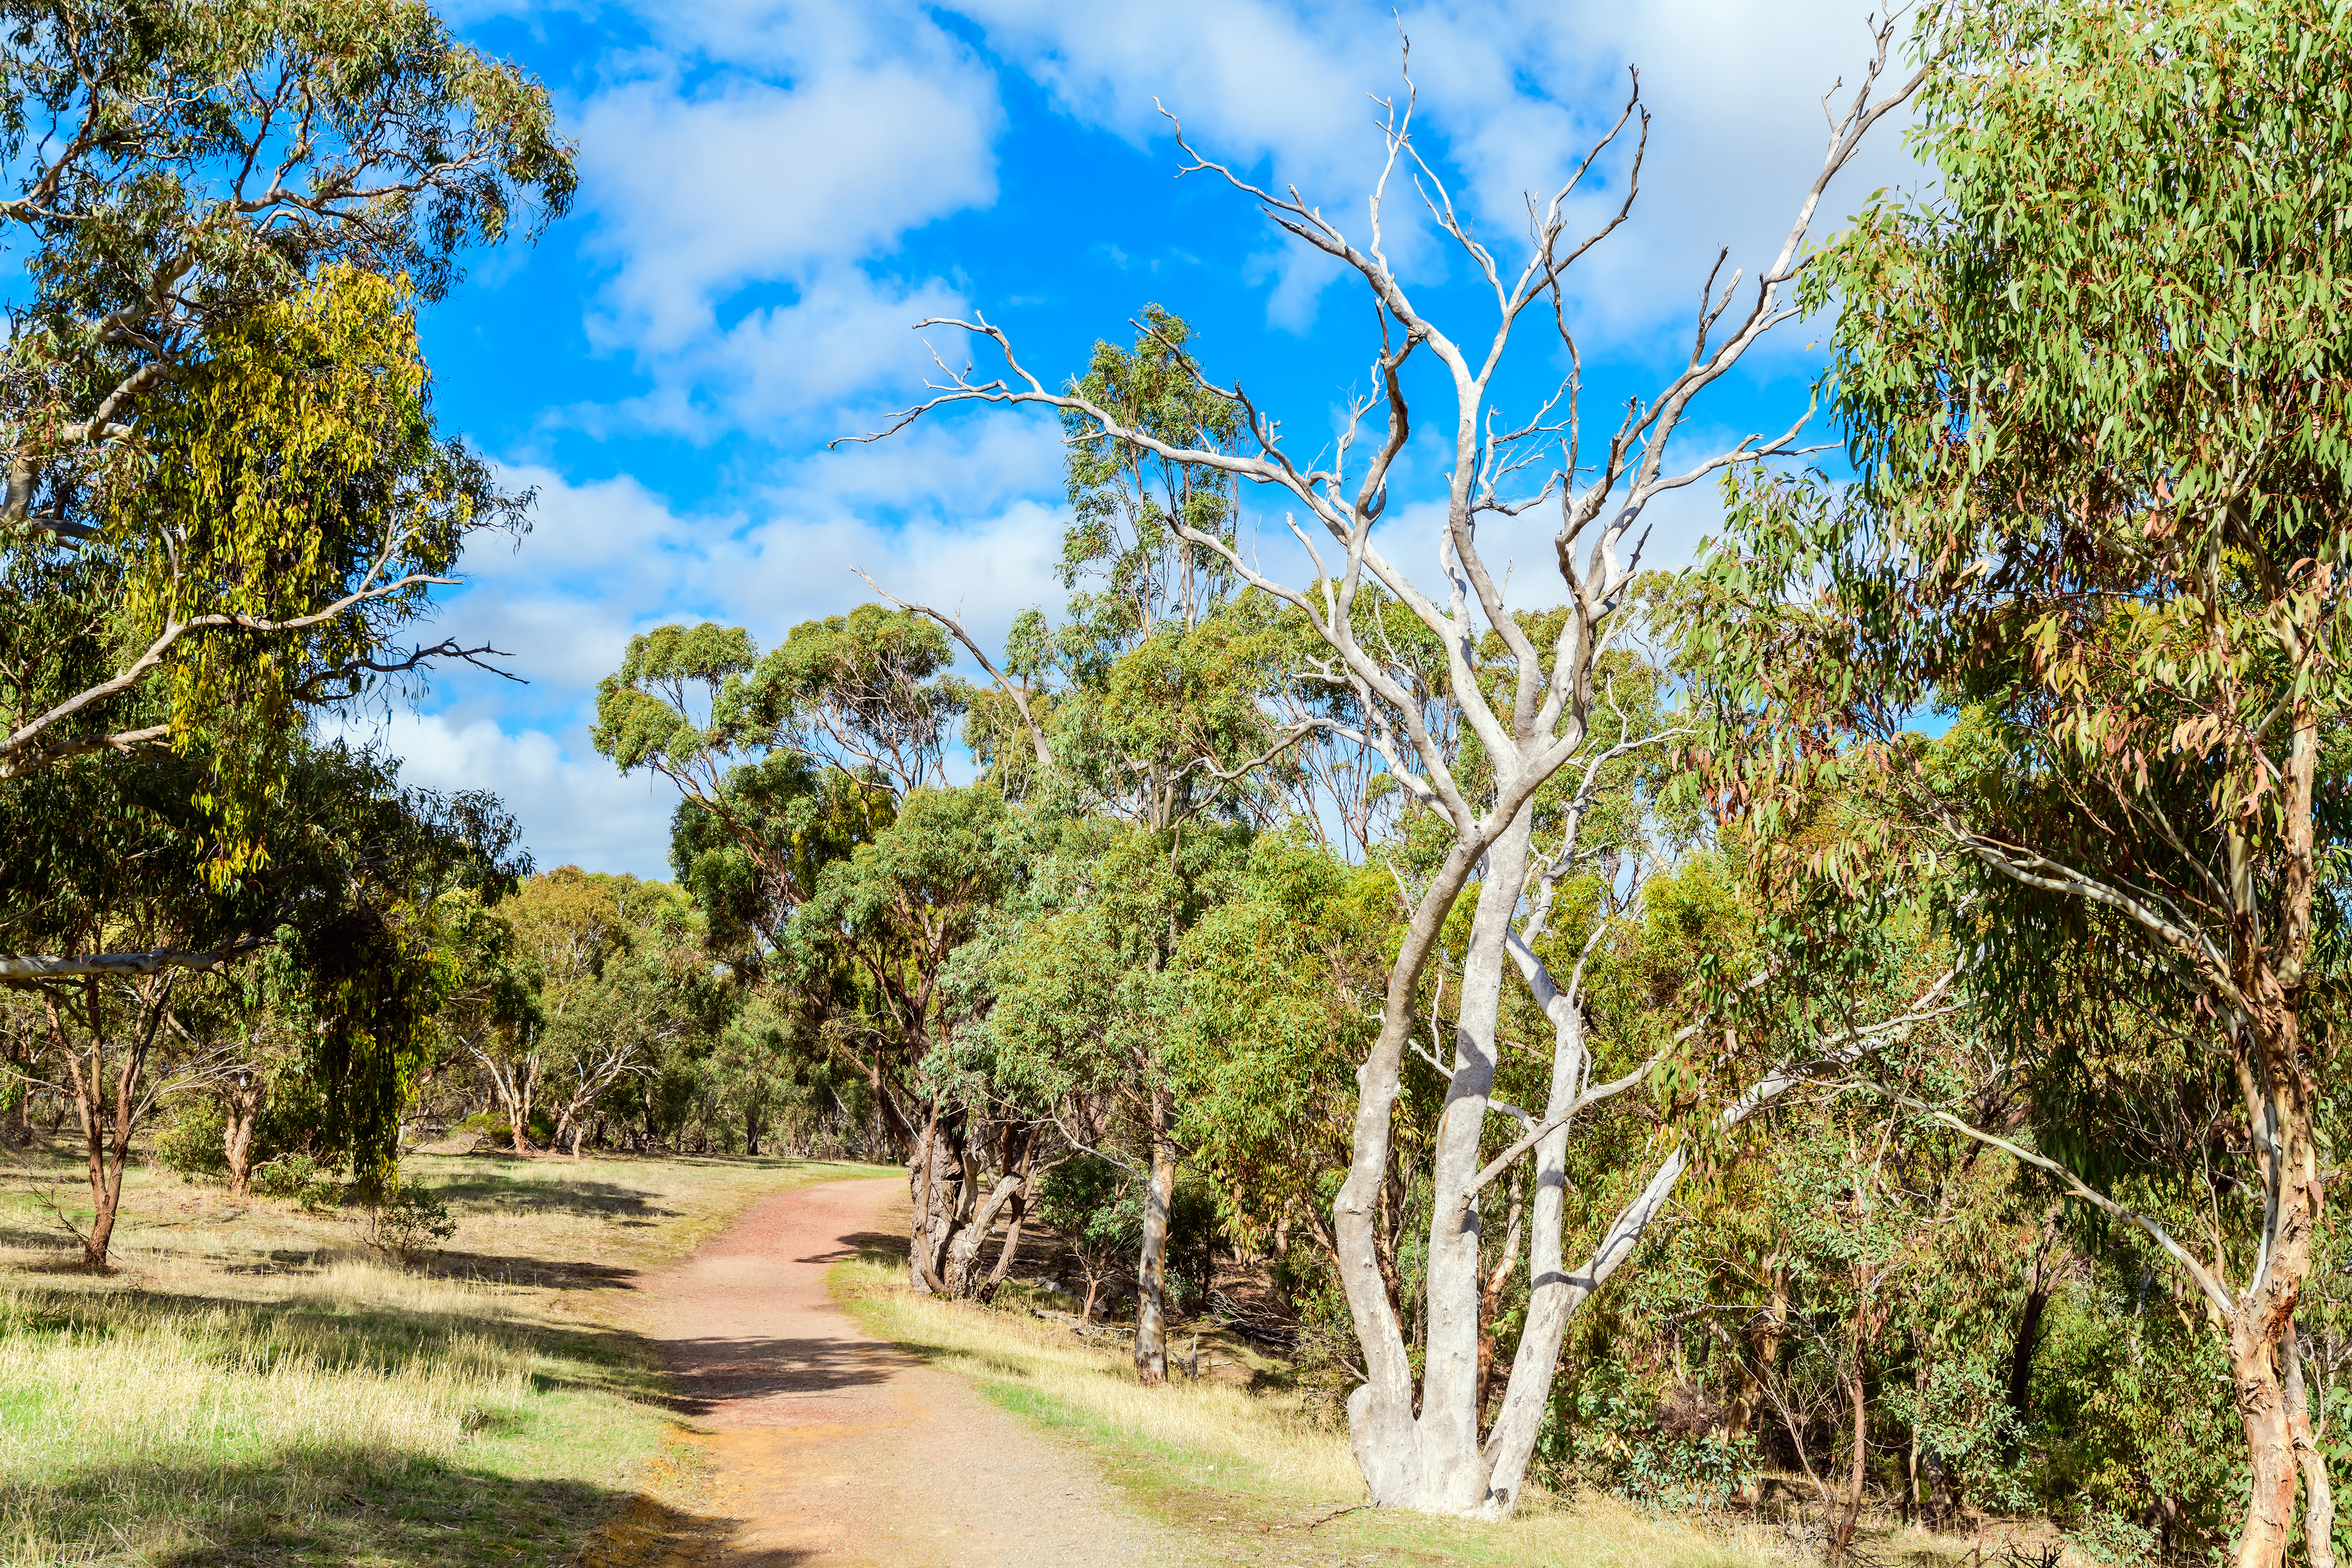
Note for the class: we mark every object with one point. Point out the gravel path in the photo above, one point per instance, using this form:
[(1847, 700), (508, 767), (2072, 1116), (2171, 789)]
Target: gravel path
[(833, 1449)]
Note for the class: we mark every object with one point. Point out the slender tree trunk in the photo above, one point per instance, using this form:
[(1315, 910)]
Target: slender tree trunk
[(2262, 1324), (106, 1128), (1452, 1474), (1490, 1307), (2318, 1496), (1152, 1270), (1380, 1412), (1859, 1470), (2021, 1358)]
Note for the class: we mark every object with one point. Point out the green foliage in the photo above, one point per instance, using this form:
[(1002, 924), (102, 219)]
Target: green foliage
[(192, 1140), (228, 494), (411, 1223), (1607, 1432), (1280, 982), (2112, 1542), (300, 1179)]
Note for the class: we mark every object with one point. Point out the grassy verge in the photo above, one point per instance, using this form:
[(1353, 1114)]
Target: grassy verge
[(1246, 1471), (253, 1384)]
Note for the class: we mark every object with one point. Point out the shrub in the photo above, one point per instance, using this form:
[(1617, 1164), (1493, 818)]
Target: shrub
[(496, 1127), (192, 1141), (411, 1223), (1659, 1451), (2113, 1541), (299, 1178)]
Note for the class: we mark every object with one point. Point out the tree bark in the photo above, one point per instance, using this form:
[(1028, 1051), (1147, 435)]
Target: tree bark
[(2318, 1496), (1151, 1269), (2269, 1444), (2021, 1358), (2260, 1324), (1020, 1200), (1454, 1475), (937, 1183), (1859, 1472), (237, 1141)]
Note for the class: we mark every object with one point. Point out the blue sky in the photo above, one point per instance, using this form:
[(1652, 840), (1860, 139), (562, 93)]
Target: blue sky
[(773, 193)]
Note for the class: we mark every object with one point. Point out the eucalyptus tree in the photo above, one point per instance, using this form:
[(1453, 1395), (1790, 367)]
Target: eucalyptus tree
[(1425, 1449), (1149, 704), (347, 903), (786, 762), (225, 496), (2095, 394), (813, 830)]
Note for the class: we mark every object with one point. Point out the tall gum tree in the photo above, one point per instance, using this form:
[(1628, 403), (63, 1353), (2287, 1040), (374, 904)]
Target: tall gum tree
[(1149, 703), (224, 496), (2096, 394), (1428, 1451)]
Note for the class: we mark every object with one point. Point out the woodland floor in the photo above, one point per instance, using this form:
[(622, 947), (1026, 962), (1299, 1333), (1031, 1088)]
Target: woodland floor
[(823, 1447), (673, 1363)]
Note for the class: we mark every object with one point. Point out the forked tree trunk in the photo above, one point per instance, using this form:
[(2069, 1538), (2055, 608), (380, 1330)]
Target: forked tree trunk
[(961, 1275), (1151, 1269), (107, 1117)]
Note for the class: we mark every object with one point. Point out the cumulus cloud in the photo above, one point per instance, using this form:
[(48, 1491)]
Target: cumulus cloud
[(755, 171), (698, 194), (1512, 93), (748, 180), (573, 808)]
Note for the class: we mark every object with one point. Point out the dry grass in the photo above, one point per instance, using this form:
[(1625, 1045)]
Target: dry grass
[(254, 1384), (1246, 1470), (1264, 1435)]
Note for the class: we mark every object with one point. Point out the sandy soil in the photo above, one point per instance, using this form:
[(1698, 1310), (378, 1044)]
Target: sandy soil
[(829, 1447)]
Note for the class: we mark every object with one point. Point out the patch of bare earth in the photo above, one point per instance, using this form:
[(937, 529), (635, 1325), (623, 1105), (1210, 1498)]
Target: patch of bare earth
[(821, 1447)]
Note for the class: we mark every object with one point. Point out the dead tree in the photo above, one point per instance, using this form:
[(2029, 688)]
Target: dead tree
[(1425, 1448)]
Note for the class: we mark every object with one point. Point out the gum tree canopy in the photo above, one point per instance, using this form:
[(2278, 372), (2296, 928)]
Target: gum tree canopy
[(2099, 395), (224, 492)]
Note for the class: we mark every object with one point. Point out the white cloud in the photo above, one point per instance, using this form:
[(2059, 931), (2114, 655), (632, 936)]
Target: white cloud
[(574, 809), (756, 182), (747, 185), (846, 335), (1512, 93)]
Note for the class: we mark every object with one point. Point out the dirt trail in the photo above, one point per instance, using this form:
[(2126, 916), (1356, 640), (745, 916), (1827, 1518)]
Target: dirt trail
[(832, 1448)]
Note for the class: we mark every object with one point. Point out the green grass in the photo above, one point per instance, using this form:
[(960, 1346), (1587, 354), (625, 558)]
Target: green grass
[(254, 1384)]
